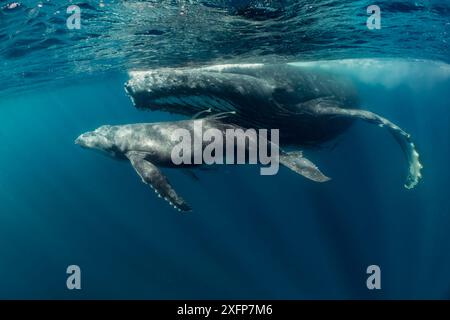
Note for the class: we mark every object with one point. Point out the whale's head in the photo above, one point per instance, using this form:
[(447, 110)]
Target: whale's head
[(191, 90), (102, 139)]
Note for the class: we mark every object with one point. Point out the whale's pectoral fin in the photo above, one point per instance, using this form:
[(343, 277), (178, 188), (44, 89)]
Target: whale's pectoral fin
[(326, 107), (152, 176), (296, 162)]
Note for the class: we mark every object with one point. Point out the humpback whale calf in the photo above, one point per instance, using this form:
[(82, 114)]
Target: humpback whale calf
[(150, 146), (309, 106)]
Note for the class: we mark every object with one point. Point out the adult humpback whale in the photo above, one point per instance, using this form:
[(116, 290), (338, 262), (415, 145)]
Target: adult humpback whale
[(150, 145), (308, 106)]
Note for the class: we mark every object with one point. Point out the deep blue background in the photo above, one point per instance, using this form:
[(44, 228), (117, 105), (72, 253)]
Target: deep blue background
[(250, 236)]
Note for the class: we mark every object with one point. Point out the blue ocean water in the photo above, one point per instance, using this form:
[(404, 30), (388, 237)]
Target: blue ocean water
[(249, 236)]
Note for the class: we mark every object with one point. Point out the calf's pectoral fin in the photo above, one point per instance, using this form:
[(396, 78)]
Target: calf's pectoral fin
[(299, 164), (325, 107), (152, 176)]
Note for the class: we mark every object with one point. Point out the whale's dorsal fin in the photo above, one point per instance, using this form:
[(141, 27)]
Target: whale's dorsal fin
[(152, 176), (325, 106), (200, 113)]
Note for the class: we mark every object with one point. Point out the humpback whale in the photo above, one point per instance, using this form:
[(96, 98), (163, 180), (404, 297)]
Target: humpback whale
[(149, 147), (310, 107)]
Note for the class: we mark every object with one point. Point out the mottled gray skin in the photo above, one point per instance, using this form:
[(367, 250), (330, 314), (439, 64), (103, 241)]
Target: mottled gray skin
[(263, 96), (308, 107), (149, 146)]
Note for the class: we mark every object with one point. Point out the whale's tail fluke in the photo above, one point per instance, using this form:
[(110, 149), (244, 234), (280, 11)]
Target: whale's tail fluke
[(299, 164), (326, 107)]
